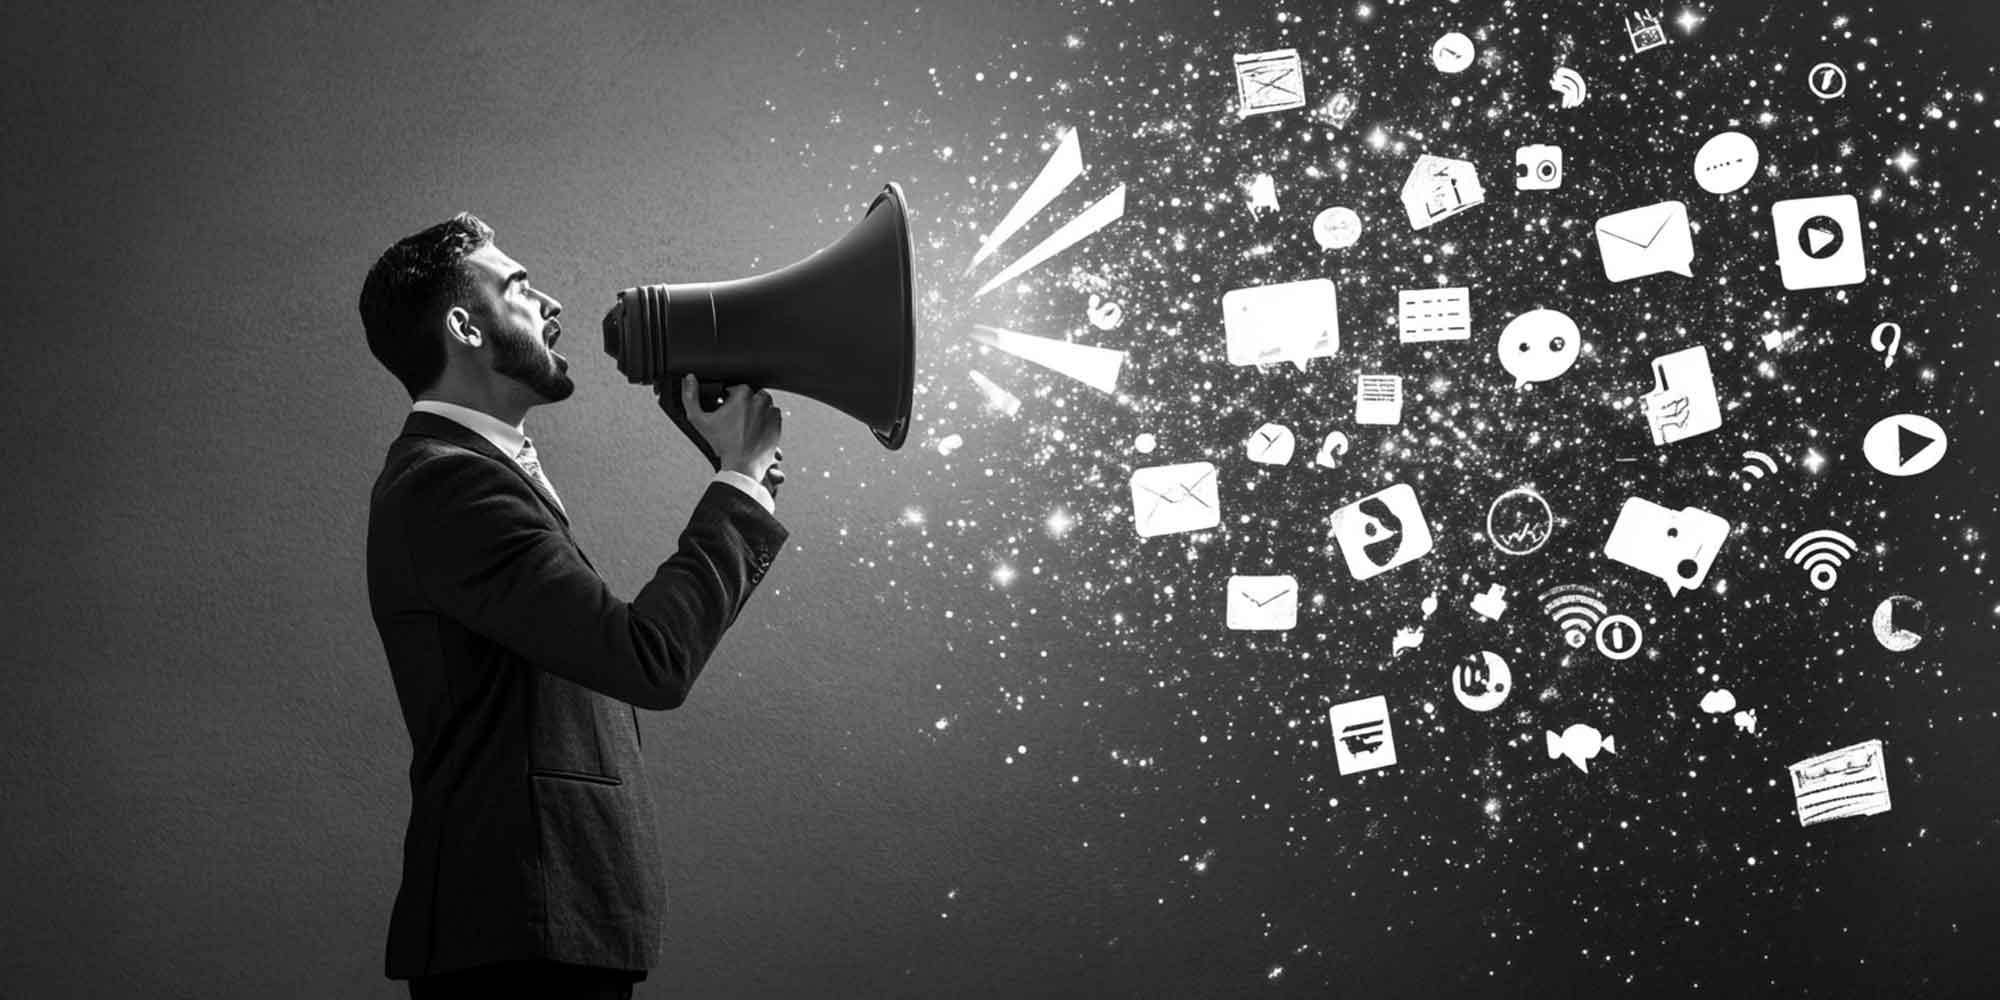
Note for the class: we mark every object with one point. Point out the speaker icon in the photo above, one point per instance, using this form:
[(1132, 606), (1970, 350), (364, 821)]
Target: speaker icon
[(1821, 554)]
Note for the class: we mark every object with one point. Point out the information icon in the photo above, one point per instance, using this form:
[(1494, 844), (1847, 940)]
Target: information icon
[(1619, 637), (1827, 81)]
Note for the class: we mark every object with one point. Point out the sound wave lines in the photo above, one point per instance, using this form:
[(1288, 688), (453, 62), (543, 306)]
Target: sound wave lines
[(1063, 168)]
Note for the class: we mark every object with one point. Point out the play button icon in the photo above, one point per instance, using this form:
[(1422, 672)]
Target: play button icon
[(1904, 445), (1820, 237)]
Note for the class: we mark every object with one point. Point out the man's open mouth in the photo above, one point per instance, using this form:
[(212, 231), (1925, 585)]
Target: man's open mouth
[(554, 333)]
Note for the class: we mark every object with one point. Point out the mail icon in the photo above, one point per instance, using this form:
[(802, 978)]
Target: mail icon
[(1263, 603), (1269, 81), (1646, 241), (1173, 498)]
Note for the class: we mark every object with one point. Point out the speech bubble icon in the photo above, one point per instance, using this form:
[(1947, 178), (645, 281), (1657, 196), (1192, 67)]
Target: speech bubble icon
[(1725, 163), (1539, 345)]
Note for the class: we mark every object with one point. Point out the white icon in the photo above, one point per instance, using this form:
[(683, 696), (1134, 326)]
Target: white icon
[(1269, 81), (1406, 639), (1539, 345), (1646, 241), (1429, 314), (1682, 403), (1104, 313), (1262, 193), (1294, 321), (1382, 531), (1756, 465), (1452, 53), (1580, 743), (1576, 611), (1491, 604), (1718, 702), (1538, 168), (1676, 546), (1827, 81), (1619, 637), (1726, 162), (1776, 339), (1331, 450), (1851, 781), (1482, 684), (1819, 242), (1645, 31), (1438, 188), (1821, 554), (995, 396), (1378, 399), (1096, 367), (1906, 444), (1899, 623), (1746, 720), (1361, 737), (1262, 603), (1145, 443), (1337, 110), (1886, 337), (1173, 498), (1569, 84), (1337, 228), (1272, 444), (1519, 521)]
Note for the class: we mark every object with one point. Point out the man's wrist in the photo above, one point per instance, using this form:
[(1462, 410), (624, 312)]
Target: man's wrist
[(750, 487)]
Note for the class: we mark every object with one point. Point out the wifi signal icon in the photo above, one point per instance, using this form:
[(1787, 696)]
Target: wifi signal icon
[(1569, 84), (1756, 465), (1576, 610), (1820, 554)]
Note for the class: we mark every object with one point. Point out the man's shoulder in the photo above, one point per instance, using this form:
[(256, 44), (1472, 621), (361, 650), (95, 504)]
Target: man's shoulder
[(420, 463)]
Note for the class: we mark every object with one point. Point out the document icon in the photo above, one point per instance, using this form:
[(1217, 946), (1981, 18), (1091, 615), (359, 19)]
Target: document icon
[(1378, 399), (1439, 188), (1263, 603), (1646, 241), (1851, 781), (1361, 737), (1682, 403), (1269, 81), (1173, 498), (1431, 314), (1293, 321)]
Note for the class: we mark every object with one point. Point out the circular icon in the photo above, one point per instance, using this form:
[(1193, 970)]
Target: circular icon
[(1904, 445), (1827, 81), (1726, 162), (1619, 637), (1482, 684), (1900, 623), (1539, 345), (1337, 228), (1452, 53), (1519, 521), (1820, 237)]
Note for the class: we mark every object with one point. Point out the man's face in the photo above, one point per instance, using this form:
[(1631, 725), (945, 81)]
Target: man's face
[(521, 323)]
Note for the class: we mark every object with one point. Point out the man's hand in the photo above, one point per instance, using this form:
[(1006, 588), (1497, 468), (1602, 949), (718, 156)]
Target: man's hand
[(741, 434)]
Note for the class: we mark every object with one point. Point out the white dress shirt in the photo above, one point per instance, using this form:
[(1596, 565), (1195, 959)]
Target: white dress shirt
[(509, 438)]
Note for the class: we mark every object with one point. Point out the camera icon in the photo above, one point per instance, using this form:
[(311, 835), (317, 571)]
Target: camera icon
[(1538, 168)]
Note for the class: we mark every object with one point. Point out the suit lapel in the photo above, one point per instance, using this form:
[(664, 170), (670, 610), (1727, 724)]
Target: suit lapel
[(447, 429)]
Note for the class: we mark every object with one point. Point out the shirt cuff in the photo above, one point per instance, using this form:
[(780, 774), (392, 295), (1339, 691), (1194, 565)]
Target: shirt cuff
[(753, 488)]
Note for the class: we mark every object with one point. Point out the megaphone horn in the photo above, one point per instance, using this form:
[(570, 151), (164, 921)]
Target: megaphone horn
[(838, 326)]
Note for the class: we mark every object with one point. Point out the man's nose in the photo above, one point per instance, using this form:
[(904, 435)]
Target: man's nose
[(550, 306)]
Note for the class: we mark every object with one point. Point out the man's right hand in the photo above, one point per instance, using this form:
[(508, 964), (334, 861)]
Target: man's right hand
[(740, 435)]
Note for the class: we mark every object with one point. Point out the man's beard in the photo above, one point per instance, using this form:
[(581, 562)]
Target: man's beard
[(527, 361)]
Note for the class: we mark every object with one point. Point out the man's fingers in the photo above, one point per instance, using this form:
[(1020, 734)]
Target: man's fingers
[(690, 403)]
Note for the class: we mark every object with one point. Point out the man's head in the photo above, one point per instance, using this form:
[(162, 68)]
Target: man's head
[(446, 306)]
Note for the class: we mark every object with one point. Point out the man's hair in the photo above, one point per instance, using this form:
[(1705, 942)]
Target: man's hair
[(410, 286)]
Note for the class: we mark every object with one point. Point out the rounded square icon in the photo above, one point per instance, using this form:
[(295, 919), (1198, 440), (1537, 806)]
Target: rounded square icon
[(1819, 242), (1382, 531)]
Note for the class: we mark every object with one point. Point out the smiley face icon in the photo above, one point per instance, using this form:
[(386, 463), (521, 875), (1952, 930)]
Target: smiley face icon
[(1539, 345)]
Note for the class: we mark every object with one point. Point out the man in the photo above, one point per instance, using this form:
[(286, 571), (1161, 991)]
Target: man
[(530, 865)]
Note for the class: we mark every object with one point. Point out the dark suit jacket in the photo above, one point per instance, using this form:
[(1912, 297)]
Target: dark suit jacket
[(532, 832)]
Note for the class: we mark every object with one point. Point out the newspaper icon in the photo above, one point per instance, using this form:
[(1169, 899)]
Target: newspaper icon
[(1361, 737), (1269, 81), (1439, 188), (1378, 399), (1427, 314), (1847, 782)]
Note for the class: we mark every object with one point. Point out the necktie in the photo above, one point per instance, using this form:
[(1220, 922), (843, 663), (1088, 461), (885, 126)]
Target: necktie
[(533, 468)]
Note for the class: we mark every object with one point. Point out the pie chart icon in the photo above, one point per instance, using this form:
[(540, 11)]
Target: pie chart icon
[(1904, 445), (1900, 623), (1821, 237)]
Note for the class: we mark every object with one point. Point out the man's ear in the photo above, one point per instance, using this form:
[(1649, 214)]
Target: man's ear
[(458, 323)]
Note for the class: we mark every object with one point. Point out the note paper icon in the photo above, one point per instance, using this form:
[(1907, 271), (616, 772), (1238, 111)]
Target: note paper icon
[(1361, 737), (1429, 314), (1378, 399), (1847, 782)]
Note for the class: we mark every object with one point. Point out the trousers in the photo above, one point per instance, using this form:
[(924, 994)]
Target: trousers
[(527, 980)]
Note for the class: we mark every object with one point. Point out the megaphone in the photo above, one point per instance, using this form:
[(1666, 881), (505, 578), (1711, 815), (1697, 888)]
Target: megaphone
[(838, 326)]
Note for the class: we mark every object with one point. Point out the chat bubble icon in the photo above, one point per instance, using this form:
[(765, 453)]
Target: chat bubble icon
[(1725, 162), (1677, 546), (1539, 345), (1294, 321)]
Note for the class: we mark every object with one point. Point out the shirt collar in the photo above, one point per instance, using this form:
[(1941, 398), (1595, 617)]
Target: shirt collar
[(507, 438)]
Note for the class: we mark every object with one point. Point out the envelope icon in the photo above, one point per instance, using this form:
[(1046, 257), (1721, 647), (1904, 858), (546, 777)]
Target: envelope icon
[(1173, 498), (1263, 603), (1646, 241), (1269, 81)]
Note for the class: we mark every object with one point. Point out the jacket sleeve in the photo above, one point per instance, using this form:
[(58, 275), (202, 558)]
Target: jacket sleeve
[(486, 554)]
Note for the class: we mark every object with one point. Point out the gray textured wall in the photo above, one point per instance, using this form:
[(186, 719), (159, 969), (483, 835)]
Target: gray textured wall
[(204, 762)]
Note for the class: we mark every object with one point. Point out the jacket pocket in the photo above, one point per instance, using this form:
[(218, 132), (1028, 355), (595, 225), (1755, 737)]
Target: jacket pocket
[(595, 779)]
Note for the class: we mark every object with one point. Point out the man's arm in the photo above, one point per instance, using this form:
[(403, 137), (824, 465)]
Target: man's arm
[(484, 553)]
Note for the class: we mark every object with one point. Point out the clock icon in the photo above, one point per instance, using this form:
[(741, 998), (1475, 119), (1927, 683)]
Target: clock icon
[(1900, 623)]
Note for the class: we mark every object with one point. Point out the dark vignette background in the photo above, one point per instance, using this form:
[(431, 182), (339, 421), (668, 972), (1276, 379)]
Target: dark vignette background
[(905, 773)]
